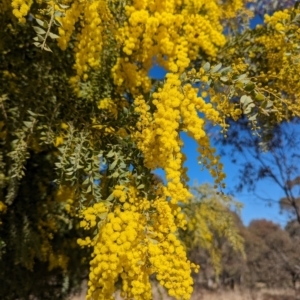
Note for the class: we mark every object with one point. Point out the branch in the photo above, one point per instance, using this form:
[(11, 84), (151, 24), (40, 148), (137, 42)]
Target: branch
[(49, 27)]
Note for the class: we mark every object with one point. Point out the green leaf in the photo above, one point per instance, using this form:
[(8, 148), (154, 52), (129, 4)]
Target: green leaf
[(58, 14), (264, 104), (224, 78), (115, 174), (216, 68), (206, 66), (225, 70), (272, 110), (253, 117), (3, 98), (63, 6), (46, 25), (183, 76), (89, 189), (111, 153), (245, 100), (113, 165), (122, 165), (53, 35), (110, 197), (296, 19), (269, 104), (86, 181), (57, 23), (28, 124), (247, 103), (39, 30), (32, 113), (37, 44), (249, 108), (102, 216), (41, 38), (241, 77), (244, 81), (40, 22), (47, 48), (141, 186)]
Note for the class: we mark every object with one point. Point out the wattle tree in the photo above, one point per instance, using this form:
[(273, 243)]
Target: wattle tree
[(84, 127)]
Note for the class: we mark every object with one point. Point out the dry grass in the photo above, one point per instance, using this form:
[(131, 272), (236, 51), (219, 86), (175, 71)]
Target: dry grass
[(262, 294), (266, 294)]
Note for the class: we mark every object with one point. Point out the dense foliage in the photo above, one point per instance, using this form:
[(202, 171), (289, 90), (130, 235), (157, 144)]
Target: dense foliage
[(83, 128)]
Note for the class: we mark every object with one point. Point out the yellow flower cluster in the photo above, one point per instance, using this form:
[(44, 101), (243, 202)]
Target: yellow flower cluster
[(133, 246), (55, 260), (136, 237), (109, 105), (278, 19), (239, 66), (118, 251), (158, 137), (195, 127), (48, 226), (232, 7), (68, 23), (211, 223), (282, 48), (169, 260), (21, 9), (168, 255), (221, 104), (94, 17), (59, 140), (172, 32), (3, 209), (90, 215)]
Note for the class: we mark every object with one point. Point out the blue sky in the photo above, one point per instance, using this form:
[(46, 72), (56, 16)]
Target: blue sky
[(254, 208)]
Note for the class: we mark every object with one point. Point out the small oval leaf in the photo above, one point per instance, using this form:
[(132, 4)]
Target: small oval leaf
[(39, 30)]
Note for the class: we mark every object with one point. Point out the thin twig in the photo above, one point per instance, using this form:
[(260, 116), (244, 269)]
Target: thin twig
[(49, 27)]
